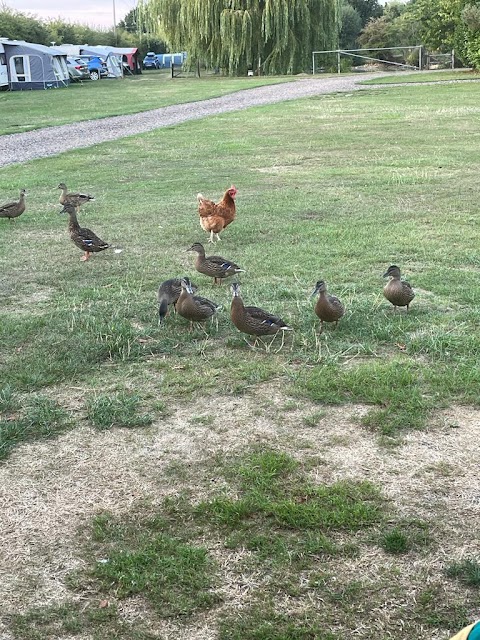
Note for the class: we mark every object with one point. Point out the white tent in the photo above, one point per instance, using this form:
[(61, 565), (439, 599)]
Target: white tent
[(130, 56), (113, 60)]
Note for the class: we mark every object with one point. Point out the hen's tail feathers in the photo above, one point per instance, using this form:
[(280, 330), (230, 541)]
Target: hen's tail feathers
[(200, 197)]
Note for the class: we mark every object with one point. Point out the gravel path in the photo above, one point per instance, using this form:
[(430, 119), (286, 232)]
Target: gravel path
[(41, 143)]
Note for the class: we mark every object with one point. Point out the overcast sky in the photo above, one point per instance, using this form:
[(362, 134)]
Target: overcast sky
[(95, 13), (92, 12)]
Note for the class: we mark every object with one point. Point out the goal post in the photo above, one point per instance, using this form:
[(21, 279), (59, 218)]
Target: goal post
[(399, 57)]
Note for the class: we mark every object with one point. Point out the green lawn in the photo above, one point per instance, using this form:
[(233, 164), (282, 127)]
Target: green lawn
[(426, 76), (90, 100), (368, 179), (327, 202)]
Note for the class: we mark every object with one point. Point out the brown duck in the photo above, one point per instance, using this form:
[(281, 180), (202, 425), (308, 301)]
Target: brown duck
[(398, 292), (253, 320), (84, 238), (12, 210), (76, 199), (328, 308), (214, 266), (194, 308), (168, 293)]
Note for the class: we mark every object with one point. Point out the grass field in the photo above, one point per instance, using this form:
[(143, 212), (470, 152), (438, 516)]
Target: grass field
[(427, 76), (91, 100), (158, 483)]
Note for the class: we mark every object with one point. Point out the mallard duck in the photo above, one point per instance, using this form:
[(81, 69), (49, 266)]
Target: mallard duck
[(194, 308), (328, 308), (76, 199), (12, 210), (214, 266), (398, 292), (253, 320), (85, 239), (168, 293)]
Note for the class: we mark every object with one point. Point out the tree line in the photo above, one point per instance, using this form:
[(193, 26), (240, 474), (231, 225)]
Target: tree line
[(16, 25), (270, 36), (439, 25), (278, 36)]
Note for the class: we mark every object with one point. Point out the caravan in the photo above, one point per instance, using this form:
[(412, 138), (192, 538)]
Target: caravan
[(3, 69), (34, 66)]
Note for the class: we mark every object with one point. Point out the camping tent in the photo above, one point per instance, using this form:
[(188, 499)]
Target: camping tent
[(166, 60), (34, 66), (112, 60), (130, 56)]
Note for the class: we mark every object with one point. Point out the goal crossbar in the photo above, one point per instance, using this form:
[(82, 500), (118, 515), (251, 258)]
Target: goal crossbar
[(416, 46), (354, 53)]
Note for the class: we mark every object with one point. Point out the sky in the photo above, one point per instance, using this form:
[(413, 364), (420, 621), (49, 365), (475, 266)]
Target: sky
[(95, 13)]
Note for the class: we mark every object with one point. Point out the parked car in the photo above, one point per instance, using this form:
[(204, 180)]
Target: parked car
[(97, 68), (150, 61), (77, 69)]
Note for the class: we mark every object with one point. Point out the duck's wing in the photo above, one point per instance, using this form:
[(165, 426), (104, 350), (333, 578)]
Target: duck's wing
[(170, 289), (223, 263), (79, 197), (264, 317), (335, 302), (5, 209), (205, 303), (89, 238), (408, 289)]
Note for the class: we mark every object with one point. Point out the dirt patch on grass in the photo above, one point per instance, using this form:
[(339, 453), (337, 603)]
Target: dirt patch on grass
[(281, 168), (30, 299), (49, 489)]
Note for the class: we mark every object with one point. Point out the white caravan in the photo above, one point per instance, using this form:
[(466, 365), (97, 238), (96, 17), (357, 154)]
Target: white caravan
[(3, 69)]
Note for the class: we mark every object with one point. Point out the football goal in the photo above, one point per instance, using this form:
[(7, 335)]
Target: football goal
[(407, 58)]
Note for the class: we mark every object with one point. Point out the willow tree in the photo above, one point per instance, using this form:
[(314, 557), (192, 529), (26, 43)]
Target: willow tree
[(277, 35)]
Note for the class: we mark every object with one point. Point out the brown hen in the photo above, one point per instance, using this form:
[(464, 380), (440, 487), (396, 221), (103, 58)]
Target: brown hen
[(214, 217)]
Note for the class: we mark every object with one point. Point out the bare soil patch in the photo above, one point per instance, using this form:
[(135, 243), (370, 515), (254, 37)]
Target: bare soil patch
[(50, 489)]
